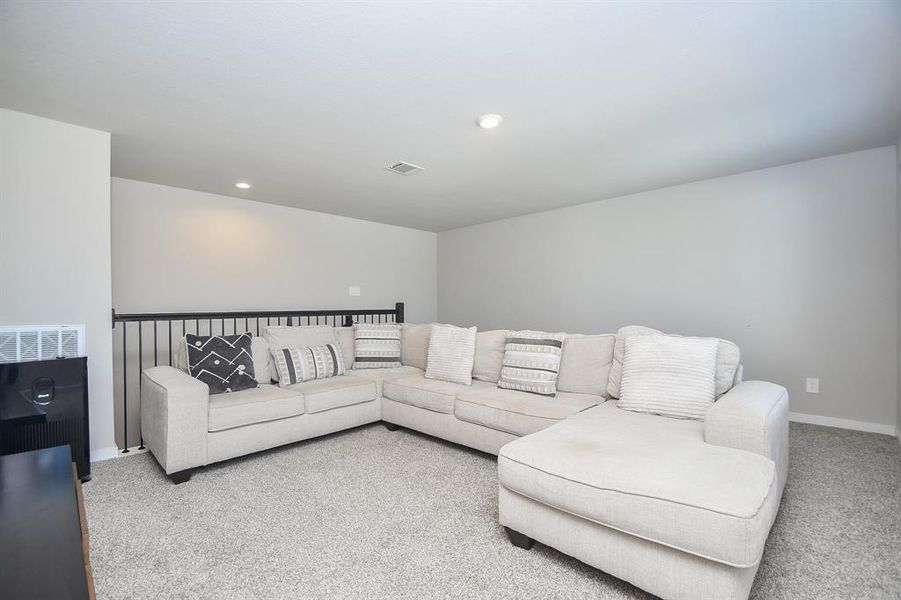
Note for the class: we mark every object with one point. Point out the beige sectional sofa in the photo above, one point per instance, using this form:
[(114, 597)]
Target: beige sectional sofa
[(680, 508)]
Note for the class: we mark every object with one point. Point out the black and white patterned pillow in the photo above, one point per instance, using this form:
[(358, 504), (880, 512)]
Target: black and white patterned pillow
[(223, 362)]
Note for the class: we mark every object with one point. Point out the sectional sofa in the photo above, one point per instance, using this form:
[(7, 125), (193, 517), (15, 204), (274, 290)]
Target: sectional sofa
[(680, 508)]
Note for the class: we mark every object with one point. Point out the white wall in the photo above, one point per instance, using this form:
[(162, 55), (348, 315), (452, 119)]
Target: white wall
[(898, 174), (55, 243), (798, 264), (181, 250)]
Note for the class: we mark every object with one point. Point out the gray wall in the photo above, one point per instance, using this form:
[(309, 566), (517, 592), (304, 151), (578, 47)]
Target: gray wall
[(798, 264), (176, 249), (180, 250), (55, 243)]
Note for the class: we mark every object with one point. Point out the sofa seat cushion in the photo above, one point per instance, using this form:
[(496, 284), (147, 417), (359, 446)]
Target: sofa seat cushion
[(334, 392), (431, 394), (379, 376), (519, 413), (256, 405), (649, 476)]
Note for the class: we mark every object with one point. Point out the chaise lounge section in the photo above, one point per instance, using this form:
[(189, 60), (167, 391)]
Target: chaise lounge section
[(679, 508)]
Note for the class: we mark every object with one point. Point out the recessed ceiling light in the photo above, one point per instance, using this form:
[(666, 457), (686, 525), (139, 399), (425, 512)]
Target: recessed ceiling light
[(242, 185), (490, 121)]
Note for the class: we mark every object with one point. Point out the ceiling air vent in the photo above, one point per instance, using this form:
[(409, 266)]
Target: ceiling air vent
[(404, 168)]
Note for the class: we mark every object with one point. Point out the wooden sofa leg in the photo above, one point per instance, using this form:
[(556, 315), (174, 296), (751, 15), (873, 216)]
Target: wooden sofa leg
[(181, 476), (391, 426), (519, 540)]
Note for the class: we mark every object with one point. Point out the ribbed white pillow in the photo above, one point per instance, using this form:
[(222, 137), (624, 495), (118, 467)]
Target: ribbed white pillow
[(728, 359), (670, 376), (451, 353)]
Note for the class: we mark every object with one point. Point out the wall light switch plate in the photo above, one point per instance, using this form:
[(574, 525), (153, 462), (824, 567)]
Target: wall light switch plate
[(354, 290), (813, 385)]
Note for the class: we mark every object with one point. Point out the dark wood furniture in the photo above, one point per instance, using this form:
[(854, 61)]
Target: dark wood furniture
[(44, 549), (44, 403)]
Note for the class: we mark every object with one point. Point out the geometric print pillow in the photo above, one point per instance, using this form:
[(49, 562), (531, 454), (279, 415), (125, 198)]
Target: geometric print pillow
[(223, 362), (296, 365), (376, 345), (531, 362)]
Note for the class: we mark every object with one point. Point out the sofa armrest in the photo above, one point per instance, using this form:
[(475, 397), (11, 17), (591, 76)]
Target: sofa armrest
[(174, 418), (752, 416)]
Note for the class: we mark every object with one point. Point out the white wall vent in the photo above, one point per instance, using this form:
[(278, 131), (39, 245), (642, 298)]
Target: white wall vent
[(404, 168), (40, 342)]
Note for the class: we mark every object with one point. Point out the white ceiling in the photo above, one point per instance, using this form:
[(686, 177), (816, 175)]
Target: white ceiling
[(310, 101)]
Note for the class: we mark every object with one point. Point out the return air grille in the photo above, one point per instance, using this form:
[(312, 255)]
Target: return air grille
[(404, 168), (40, 342)]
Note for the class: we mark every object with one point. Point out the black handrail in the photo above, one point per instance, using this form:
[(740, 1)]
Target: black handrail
[(218, 323)]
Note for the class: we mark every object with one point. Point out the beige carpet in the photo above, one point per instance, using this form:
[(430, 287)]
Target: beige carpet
[(370, 513)]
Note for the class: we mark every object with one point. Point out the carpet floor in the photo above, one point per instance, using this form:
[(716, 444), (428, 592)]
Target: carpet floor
[(370, 513)]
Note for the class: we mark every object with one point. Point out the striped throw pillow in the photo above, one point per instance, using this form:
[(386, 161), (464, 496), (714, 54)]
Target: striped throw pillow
[(376, 345), (669, 376), (531, 362), (296, 365)]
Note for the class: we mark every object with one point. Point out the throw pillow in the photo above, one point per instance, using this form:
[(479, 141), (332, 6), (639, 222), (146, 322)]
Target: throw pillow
[(376, 345), (668, 375), (298, 336), (531, 362), (296, 365), (728, 359), (223, 362), (451, 352)]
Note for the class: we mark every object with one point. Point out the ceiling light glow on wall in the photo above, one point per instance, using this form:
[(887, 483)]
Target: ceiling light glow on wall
[(490, 121), (242, 185)]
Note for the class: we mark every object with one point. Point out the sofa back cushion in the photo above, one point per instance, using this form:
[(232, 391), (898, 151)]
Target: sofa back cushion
[(728, 358), (585, 363), (414, 345), (346, 343), (451, 352), (298, 336), (669, 375), (377, 345), (489, 357), (531, 362), (296, 365), (259, 348)]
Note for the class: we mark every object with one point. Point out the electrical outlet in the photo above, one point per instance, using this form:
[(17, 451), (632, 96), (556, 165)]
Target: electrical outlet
[(813, 385), (354, 290)]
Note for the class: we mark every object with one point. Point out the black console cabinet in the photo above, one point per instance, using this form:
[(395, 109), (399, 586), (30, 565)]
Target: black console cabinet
[(44, 403)]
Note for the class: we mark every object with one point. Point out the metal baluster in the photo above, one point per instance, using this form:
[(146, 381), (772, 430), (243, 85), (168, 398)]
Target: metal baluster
[(140, 375), (170, 342), (124, 387)]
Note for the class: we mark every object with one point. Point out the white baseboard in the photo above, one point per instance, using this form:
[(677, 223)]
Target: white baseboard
[(843, 423), (99, 454)]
